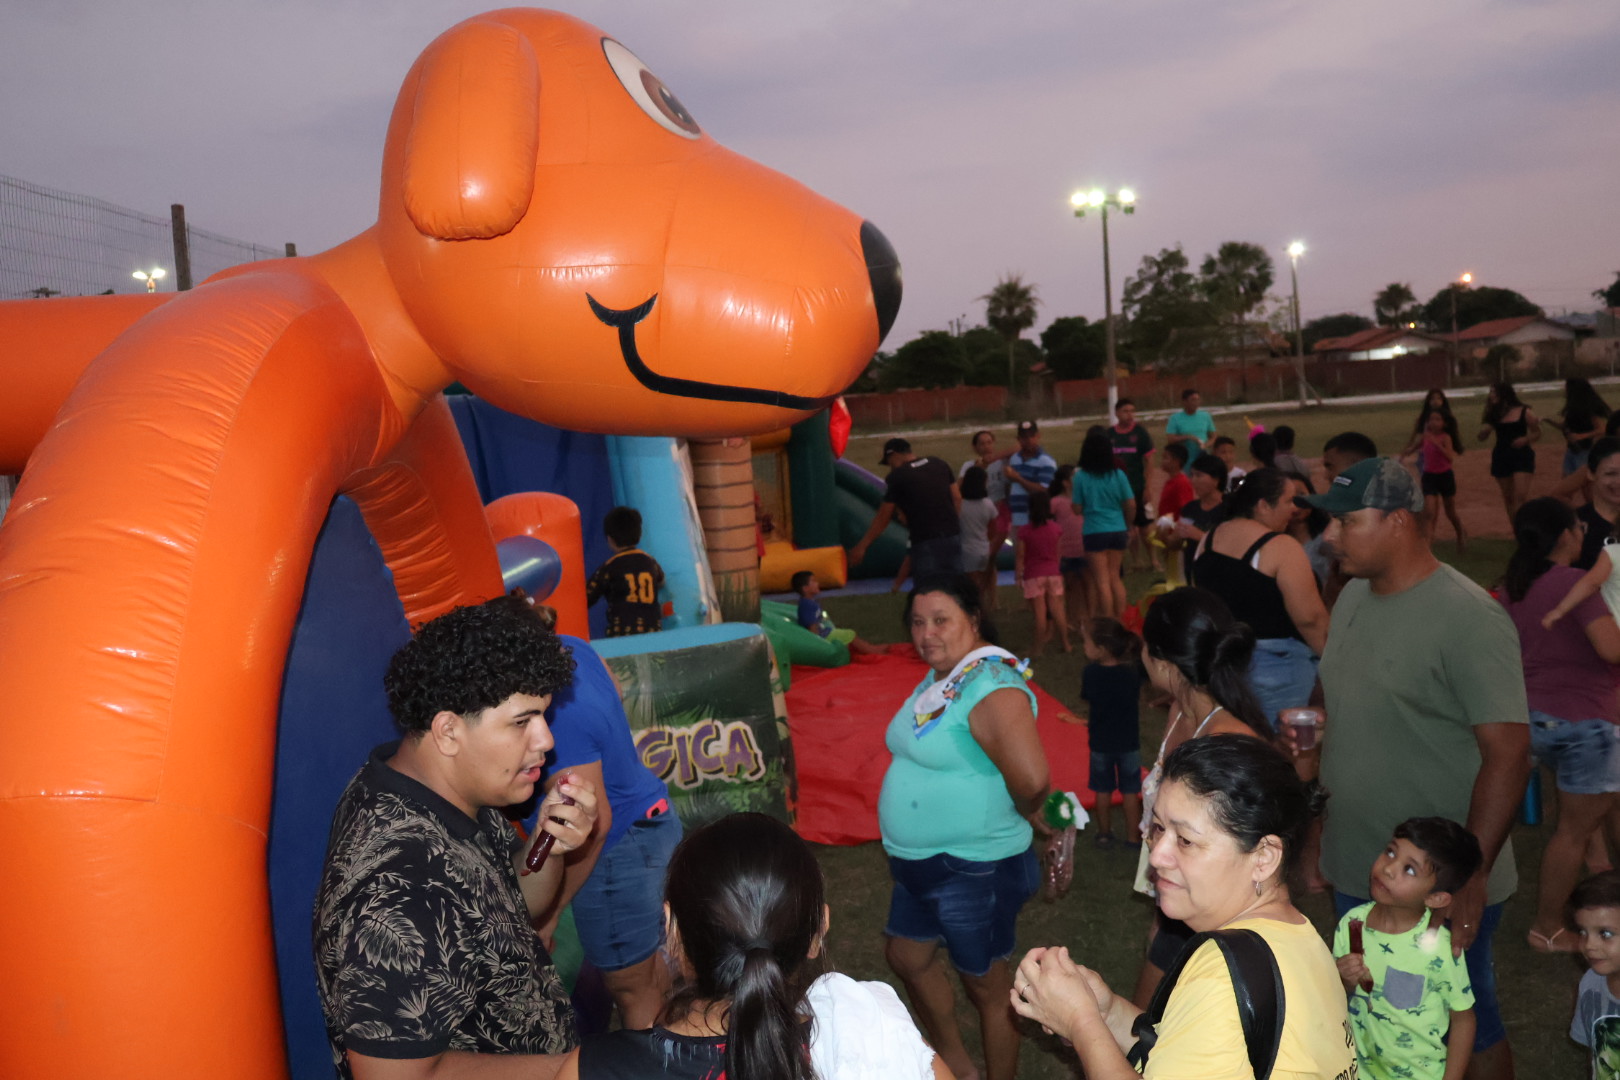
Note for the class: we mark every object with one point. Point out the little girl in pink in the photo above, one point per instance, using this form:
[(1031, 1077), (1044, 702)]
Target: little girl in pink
[(1036, 563)]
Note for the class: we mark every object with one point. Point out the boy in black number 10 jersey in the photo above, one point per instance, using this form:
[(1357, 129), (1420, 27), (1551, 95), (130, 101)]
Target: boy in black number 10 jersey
[(630, 579)]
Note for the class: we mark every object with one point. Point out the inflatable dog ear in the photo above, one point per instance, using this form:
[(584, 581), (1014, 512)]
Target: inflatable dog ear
[(470, 149)]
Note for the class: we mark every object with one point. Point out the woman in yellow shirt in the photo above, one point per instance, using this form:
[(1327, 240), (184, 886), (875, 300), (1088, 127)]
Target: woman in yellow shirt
[(1227, 825)]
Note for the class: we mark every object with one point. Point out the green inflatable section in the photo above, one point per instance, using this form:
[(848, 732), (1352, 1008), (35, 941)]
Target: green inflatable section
[(793, 644), (702, 709), (856, 502), (810, 472)]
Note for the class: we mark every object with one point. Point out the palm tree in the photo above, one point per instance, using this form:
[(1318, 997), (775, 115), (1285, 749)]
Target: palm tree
[(1393, 304), (1235, 280), (1009, 311)]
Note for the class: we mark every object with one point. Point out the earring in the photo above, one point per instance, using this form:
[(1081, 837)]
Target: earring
[(1258, 889)]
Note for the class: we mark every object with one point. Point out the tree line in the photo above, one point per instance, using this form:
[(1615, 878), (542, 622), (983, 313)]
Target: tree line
[(1171, 317)]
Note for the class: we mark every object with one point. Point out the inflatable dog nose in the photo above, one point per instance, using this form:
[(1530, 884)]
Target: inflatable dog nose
[(883, 268)]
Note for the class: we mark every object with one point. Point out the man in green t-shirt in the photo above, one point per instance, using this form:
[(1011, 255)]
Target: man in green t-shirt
[(1426, 715), (1192, 425)]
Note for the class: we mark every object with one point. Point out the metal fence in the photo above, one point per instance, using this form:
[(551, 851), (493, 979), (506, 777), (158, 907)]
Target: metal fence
[(58, 243)]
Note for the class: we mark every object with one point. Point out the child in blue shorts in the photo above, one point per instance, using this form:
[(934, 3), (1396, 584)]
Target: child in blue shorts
[(1111, 687)]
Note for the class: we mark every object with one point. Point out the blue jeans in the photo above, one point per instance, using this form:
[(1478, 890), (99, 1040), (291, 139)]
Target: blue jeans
[(1584, 755), (619, 911), (1282, 674), (1481, 972), (971, 906)]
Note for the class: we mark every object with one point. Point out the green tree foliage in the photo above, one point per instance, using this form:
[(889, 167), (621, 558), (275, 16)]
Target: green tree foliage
[(1611, 295), (1234, 280), (1474, 306), (1160, 298), (1009, 309), (933, 359), (1395, 305), (985, 353), (1332, 326), (1075, 347), (1499, 362)]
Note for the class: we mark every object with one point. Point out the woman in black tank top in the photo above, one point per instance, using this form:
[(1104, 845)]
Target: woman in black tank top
[(1265, 577), (1513, 461)]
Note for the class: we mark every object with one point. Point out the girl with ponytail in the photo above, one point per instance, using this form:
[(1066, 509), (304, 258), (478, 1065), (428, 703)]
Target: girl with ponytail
[(1195, 651), (746, 922)]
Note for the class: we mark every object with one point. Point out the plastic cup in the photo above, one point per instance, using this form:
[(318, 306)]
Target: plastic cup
[(1307, 724)]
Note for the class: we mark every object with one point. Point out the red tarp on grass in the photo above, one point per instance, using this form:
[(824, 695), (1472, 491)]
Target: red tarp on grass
[(838, 717)]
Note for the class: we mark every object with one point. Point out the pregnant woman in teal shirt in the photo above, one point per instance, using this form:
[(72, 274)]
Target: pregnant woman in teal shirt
[(956, 812)]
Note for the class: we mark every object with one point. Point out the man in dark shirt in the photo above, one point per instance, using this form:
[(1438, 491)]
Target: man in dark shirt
[(425, 954), (630, 579), (1133, 446), (924, 490)]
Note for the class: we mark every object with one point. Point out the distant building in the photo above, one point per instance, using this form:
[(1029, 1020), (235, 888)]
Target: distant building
[(1520, 330), (1378, 343)]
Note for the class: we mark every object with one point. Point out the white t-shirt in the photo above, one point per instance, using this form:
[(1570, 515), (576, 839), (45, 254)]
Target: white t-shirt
[(862, 1031), (1596, 1025), (975, 518), (995, 481)]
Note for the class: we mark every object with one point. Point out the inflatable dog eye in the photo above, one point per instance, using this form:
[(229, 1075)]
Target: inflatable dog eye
[(649, 91), (554, 231)]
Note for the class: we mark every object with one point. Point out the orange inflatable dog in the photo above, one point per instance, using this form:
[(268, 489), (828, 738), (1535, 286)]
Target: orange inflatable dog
[(557, 233)]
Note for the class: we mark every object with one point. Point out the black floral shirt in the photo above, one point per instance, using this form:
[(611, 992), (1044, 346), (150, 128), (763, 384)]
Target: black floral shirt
[(422, 939)]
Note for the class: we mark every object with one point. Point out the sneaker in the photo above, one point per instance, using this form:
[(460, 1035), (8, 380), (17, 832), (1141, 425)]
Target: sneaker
[(1104, 840)]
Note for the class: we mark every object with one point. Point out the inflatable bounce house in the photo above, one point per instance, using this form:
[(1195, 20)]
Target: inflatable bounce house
[(237, 500)]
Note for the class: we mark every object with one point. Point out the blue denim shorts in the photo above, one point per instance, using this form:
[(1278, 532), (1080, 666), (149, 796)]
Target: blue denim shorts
[(1584, 755), (1120, 772), (1072, 564), (1282, 673), (619, 911), (971, 906), (1489, 1029)]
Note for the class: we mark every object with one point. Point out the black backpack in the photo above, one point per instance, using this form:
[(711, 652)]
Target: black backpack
[(1255, 979)]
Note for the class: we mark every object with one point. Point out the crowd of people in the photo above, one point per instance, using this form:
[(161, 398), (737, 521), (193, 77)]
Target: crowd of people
[(1344, 709)]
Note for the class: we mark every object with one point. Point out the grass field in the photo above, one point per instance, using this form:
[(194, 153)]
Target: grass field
[(1102, 920), (1388, 425)]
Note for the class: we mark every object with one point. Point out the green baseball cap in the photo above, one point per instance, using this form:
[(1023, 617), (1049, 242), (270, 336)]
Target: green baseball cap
[(1378, 483)]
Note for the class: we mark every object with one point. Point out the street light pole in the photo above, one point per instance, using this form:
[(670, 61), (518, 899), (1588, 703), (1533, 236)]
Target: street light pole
[(1295, 250), (1456, 340), (1097, 199)]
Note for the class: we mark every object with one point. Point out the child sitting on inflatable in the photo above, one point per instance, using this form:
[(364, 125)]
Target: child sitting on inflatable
[(812, 618)]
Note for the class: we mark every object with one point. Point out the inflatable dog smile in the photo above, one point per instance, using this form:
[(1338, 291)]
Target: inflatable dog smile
[(557, 233)]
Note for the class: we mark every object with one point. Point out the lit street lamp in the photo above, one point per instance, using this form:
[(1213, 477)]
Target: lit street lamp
[(1295, 250), (1456, 342), (151, 277), (1096, 199)]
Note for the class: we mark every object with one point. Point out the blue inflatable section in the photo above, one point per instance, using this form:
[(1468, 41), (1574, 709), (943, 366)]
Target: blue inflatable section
[(333, 712), (510, 454), (647, 474)]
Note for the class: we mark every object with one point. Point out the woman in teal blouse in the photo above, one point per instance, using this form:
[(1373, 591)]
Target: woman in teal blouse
[(957, 812)]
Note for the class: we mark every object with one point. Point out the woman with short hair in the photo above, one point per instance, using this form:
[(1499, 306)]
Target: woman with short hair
[(1228, 825)]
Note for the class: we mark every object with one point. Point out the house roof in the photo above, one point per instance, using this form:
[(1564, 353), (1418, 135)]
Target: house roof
[(1496, 328), (1376, 337)]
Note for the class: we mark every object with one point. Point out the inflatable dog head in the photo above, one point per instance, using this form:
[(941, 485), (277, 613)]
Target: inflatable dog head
[(577, 250)]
